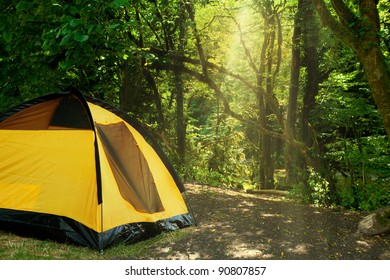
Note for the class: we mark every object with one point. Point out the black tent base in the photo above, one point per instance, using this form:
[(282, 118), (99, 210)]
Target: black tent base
[(65, 230)]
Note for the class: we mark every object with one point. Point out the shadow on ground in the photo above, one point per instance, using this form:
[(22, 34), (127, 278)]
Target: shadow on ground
[(236, 225)]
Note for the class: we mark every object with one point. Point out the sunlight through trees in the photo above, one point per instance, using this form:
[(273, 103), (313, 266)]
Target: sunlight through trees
[(270, 94)]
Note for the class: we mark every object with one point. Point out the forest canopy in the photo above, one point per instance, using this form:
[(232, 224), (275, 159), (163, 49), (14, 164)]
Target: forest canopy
[(270, 94)]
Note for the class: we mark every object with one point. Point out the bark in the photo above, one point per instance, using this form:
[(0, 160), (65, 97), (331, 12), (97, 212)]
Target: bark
[(157, 101), (179, 93), (314, 78), (310, 45), (264, 139), (268, 149), (199, 47), (132, 76), (180, 121), (267, 101), (131, 83), (126, 87), (373, 60), (291, 157)]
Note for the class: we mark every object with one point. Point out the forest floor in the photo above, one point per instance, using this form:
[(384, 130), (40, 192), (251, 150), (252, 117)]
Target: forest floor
[(237, 225)]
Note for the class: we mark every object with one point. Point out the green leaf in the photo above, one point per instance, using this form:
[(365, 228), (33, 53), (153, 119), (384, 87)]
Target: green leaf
[(113, 26), (24, 6), (64, 40), (73, 10), (74, 22), (65, 64), (7, 35), (91, 28), (118, 3), (81, 38)]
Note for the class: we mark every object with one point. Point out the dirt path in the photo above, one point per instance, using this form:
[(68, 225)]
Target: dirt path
[(236, 225)]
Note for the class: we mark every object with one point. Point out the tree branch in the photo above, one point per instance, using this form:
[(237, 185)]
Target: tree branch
[(342, 32), (246, 50), (184, 59), (202, 57), (219, 94), (346, 16)]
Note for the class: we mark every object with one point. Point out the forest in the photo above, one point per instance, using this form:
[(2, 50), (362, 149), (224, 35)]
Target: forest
[(287, 95)]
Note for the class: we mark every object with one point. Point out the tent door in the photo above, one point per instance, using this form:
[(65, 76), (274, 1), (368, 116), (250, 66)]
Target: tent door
[(130, 168)]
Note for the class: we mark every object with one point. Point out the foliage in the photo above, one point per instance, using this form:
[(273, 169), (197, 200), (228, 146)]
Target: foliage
[(314, 189), (352, 138), (319, 188), (215, 157), (365, 172), (139, 55)]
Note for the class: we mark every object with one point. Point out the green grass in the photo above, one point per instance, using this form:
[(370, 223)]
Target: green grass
[(14, 247)]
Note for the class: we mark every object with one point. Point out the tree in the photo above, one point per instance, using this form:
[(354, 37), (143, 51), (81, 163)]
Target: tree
[(270, 61), (291, 157), (222, 84), (179, 91), (305, 79), (358, 26)]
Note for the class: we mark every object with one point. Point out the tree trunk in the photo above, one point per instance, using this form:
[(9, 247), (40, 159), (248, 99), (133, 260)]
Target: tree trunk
[(264, 140), (180, 121), (179, 93), (267, 102), (267, 161), (132, 76), (379, 81), (131, 84), (310, 45), (268, 148), (291, 157), (157, 101), (372, 59), (314, 77), (202, 57)]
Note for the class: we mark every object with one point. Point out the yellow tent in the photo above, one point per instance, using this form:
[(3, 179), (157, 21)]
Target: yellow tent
[(76, 169)]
